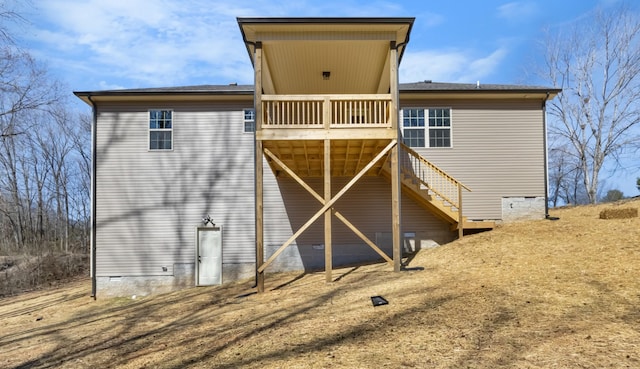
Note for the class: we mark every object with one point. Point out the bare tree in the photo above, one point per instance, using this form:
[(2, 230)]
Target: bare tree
[(8, 15), (44, 156), (56, 147), (597, 65), (564, 177), (26, 92), (10, 183), (80, 133)]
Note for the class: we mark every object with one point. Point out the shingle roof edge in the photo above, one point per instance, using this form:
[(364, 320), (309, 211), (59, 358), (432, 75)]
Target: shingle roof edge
[(234, 89)]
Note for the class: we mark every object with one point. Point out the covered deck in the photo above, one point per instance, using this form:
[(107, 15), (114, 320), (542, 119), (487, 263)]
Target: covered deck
[(326, 102)]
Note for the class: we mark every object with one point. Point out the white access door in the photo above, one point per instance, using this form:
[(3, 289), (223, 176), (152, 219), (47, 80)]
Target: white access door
[(208, 256)]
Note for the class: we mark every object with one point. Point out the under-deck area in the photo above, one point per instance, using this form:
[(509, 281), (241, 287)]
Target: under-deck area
[(306, 157)]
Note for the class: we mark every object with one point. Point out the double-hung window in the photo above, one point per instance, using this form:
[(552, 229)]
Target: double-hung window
[(249, 120), (426, 127), (160, 130)]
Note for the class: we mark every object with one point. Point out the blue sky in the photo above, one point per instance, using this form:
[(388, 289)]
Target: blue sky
[(100, 44), (108, 44)]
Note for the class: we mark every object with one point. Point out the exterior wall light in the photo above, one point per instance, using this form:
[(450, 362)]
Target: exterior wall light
[(326, 75)]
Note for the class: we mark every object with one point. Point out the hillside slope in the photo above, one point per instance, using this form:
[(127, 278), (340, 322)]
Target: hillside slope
[(562, 294)]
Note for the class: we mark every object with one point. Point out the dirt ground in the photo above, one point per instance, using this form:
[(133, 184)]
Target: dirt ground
[(542, 294)]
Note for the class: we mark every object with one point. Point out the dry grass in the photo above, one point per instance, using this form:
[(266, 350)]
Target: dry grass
[(543, 294)]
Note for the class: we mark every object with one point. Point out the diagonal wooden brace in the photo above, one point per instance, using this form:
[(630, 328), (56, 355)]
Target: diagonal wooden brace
[(338, 215), (327, 205)]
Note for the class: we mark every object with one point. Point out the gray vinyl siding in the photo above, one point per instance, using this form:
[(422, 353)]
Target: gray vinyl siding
[(149, 202), (497, 150)]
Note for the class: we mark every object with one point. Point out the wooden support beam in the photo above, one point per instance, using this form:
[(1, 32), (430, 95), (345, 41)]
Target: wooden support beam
[(329, 204), (259, 217), (339, 133), (395, 210), (396, 194), (326, 112), (460, 215), (328, 256), (259, 171), (393, 86)]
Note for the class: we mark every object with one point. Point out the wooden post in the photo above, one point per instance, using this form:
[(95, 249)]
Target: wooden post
[(328, 258), (259, 169), (326, 112), (460, 216), (396, 194), (259, 217), (395, 209)]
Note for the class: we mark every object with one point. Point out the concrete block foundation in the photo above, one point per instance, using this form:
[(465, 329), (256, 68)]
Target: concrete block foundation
[(522, 208), (183, 277)]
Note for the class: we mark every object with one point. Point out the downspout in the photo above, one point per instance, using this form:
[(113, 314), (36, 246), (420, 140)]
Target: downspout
[(403, 44), (255, 162), (92, 256), (255, 191), (546, 160), (398, 46)]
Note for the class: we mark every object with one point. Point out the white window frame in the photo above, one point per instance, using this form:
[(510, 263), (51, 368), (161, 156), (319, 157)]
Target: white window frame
[(427, 128), (248, 121), (160, 129)]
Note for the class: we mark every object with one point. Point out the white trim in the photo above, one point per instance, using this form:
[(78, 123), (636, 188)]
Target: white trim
[(220, 258), (427, 128), (245, 121), (149, 129)]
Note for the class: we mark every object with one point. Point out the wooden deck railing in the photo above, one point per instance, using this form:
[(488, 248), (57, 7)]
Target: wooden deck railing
[(433, 178), (326, 111)]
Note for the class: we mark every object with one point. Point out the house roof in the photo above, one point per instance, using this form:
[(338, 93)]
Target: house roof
[(199, 92), (232, 88), (297, 52), (426, 88), (432, 89), (401, 26)]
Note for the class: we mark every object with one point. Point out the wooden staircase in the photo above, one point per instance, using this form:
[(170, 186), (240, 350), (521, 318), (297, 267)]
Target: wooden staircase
[(434, 189)]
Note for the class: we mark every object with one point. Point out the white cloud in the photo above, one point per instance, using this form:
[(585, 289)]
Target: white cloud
[(433, 65), (429, 19), (450, 65), (146, 43), (485, 66), (104, 85), (517, 11)]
